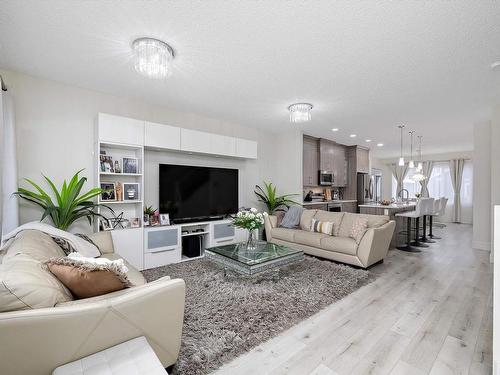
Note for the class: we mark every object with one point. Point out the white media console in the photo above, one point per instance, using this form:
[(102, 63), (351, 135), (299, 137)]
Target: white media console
[(163, 244), (121, 137)]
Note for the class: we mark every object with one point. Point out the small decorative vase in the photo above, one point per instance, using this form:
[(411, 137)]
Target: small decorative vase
[(251, 242)]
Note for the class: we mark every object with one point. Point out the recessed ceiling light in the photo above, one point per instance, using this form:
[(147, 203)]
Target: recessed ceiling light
[(368, 140), (335, 129), (380, 144), (353, 136), (495, 64), (153, 57)]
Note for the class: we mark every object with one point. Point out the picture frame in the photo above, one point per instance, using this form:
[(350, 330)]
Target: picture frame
[(146, 220), (135, 222), (105, 225), (154, 221), (131, 191), (130, 165), (164, 219), (106, 163), (110, 194)]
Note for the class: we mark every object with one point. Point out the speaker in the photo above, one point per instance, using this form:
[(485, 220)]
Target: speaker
[(192, 245)]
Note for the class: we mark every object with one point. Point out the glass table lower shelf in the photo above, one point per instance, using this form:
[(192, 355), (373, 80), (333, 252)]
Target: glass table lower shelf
[(266, 257)]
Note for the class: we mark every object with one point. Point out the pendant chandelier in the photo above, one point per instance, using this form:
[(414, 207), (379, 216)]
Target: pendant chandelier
[(411, 163), (419, 176), (300, 112), (401, 158)]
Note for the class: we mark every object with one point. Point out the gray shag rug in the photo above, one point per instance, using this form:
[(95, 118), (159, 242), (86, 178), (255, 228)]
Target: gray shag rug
[(226, 317)]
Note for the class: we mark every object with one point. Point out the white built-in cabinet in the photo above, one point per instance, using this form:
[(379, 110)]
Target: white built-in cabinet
[(116, 129), (162, 136), (121, 137)]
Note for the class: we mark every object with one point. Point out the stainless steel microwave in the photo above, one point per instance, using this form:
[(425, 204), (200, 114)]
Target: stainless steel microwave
[(325, 178)]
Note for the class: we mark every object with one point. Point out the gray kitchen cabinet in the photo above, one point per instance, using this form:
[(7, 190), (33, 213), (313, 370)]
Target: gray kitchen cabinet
[(362, 160), (349, 207), (310, 159), (339, 166), (326, 155)]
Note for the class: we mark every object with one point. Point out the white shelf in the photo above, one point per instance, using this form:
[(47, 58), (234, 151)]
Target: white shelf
[(193, 234), (119, 202), (120, 174)]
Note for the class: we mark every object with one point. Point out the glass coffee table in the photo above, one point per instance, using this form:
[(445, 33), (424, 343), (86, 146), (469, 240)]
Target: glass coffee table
[(266, 257)]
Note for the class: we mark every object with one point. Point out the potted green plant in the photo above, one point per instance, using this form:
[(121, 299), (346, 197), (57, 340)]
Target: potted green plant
[(273, 202), (70, 204)]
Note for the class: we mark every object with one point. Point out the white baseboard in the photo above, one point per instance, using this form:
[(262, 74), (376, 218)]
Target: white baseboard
[(481, 245)]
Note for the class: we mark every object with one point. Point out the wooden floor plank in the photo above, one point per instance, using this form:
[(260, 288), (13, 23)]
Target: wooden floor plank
[(429, 312)]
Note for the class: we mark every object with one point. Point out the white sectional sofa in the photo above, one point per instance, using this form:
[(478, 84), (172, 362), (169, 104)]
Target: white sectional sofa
[(371, 249)]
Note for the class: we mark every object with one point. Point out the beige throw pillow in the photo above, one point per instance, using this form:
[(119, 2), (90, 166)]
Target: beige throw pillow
[(359, 227), (88, 277), (326, 227)]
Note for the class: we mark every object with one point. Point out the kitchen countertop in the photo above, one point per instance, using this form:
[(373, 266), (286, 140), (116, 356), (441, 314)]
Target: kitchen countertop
[(332, 201), (390, 206)]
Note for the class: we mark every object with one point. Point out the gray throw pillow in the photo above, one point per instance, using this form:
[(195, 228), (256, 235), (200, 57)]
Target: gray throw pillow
[(292, 217)]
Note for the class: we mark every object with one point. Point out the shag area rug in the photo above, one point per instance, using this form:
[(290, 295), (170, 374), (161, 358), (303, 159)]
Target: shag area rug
[(226, 317)]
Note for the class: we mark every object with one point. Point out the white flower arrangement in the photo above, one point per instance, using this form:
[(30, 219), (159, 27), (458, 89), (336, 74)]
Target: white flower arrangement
[(249, 219)]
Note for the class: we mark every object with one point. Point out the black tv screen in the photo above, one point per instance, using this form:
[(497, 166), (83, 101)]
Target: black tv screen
[(190, 193)]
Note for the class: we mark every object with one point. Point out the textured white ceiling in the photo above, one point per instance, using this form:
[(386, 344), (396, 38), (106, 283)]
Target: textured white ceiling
[(365, 65)]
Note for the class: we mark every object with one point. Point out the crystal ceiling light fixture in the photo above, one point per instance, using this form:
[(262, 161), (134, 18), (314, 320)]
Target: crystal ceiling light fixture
[(153, 58), (411, 163), (401, 158), (300, 112)]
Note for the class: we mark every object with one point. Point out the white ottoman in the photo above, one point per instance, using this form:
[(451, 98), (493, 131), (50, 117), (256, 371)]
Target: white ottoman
[(134, 357)]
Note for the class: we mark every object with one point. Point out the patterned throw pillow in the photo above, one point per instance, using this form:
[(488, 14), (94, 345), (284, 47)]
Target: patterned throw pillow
[(358, 229), (325, 227)]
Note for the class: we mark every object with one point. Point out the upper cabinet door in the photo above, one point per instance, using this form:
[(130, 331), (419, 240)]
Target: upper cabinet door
[(195, 141), (326, 155), (162, 136), (246, 149), (363, 160), (222, 145), (117, 129)]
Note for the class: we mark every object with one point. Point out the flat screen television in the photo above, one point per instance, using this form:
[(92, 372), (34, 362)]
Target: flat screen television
[(190, 193)]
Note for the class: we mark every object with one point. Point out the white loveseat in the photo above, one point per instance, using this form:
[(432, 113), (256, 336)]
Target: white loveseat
[(42, 327), (371, 249)]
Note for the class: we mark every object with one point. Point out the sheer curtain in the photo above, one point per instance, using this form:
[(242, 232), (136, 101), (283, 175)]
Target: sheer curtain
[(466, 192), (440, 185), (9, 212)]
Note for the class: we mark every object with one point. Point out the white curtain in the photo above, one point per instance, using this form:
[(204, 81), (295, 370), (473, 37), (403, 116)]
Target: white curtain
[(399, 173), (456, 172), (9, 210), (427, 172)]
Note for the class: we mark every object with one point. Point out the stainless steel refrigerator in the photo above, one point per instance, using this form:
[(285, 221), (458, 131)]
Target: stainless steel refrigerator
[(369, 188)]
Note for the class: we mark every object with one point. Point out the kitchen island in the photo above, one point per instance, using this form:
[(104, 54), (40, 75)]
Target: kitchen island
[(346, 205), (390, 210)]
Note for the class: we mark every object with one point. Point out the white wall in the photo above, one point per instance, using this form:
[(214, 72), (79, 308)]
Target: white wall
[(55, 136), (481, 238)]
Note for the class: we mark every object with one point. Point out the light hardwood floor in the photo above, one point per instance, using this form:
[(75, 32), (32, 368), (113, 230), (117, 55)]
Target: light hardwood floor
[(426, 313)]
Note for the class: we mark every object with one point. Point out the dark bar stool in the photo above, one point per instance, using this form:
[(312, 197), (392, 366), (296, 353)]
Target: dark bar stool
[(428, 211), (409, 215)]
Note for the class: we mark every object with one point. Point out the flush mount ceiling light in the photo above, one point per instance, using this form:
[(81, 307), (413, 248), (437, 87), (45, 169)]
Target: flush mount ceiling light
[(335, 129), (300, 112), (401, 158), (368, 140), (153, 58), (353, 135), (380, 145)]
